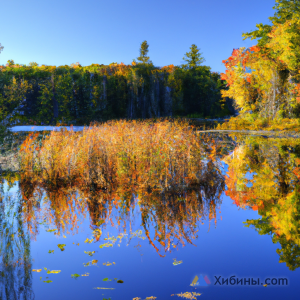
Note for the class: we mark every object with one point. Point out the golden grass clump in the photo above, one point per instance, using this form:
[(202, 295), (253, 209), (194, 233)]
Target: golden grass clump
[(157, 155)]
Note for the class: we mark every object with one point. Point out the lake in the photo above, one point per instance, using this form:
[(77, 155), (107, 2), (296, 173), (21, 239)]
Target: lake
[(231, 234)]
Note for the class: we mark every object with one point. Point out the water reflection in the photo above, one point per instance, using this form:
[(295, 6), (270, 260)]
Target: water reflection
[(169, 213), (15, 266), (174, 214), (264, 174)]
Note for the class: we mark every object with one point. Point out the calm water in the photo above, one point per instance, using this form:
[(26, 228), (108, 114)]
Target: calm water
[(155, 244)]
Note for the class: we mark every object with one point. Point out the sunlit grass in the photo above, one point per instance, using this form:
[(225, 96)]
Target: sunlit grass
[(158, 155)]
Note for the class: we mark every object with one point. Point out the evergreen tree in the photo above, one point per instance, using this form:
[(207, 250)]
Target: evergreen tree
[(143, 58), (193, 58)]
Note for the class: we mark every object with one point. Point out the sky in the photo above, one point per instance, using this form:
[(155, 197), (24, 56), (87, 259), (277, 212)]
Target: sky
[(62, 32)]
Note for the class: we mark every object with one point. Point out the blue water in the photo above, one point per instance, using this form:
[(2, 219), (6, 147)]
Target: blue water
[(224, 247)]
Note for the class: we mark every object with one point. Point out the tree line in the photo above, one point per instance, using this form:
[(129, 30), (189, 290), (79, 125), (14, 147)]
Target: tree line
[(78, 95)]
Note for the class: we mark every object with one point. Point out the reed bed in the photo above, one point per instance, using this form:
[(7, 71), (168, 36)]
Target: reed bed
[(158, 156)]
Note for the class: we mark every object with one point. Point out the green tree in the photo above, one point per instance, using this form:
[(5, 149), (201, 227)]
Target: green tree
[(143, 58), (193, 58)]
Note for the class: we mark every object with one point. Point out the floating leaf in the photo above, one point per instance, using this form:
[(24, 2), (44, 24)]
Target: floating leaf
[(188, 295), (75, 275), (47, 281), (265, 285), (37, 270), (175, 262), (64, 236), (51, 230), (120, 281), (102, 288), (93, 262), (106, 279), (88, 240), (90, 253), (61, 246), (86, 274), (106, 245), (51, 251), (53, 271), (108, 263)]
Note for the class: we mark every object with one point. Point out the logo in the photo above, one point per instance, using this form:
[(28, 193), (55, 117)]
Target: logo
[(200, 281)]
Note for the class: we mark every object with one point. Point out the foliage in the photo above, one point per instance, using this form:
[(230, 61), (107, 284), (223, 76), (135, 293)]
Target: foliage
[(264, 79), (79, 95)]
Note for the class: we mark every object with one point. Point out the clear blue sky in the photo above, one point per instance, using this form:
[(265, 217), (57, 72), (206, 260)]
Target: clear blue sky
[(60, 32)]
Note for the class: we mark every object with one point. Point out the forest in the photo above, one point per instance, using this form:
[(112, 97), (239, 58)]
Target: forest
[(79, 95)]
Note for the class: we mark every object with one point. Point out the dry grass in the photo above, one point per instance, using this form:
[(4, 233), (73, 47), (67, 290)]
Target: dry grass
[(158, 155)]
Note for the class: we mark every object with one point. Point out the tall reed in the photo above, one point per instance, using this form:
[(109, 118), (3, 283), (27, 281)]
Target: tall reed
[(160, 156)]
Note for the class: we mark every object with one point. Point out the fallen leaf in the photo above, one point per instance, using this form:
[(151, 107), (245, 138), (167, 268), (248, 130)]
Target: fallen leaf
[(88, 240), (90, 253), (53, 271), (106, 279), (61, 246), (175, 262), (75, 275)]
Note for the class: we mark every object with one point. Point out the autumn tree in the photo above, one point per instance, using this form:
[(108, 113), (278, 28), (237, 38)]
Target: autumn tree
[(193, 58), (286, 10), (143, 58)]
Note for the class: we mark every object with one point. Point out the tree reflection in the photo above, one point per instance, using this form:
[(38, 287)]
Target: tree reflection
[(264, 175), (15, 265)]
